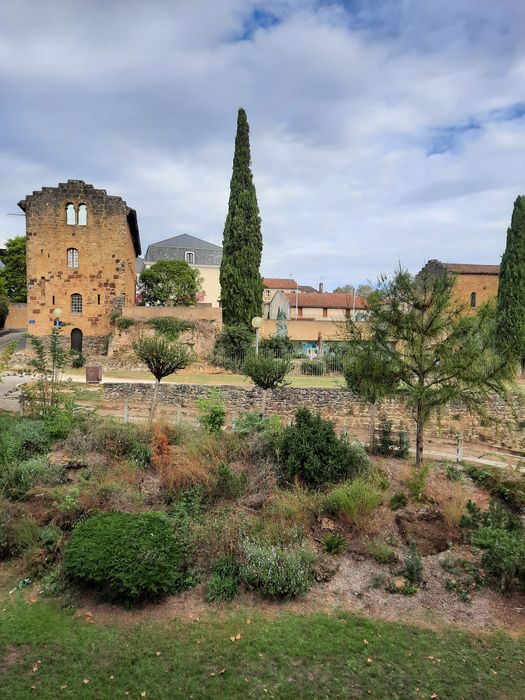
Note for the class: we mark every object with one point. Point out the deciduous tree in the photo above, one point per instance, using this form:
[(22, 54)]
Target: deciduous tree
[(14, 273), (170, 283)]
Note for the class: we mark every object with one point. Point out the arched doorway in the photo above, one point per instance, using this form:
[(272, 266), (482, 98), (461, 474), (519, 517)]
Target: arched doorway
[(76, 339)]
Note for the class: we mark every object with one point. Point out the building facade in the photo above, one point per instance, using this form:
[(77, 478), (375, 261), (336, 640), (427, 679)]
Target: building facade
[(82, 245), (200, 255), (475, 284)]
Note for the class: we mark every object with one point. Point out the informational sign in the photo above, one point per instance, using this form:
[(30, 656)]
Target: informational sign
[(32, 322)]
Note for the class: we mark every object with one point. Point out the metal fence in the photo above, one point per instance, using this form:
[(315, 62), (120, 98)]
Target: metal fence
[(308, 365)]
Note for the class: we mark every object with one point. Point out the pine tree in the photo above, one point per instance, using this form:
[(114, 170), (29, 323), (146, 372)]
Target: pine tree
[(510, 321), (241, 283)]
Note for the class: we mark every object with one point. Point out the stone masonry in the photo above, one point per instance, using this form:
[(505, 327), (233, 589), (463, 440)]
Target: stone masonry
[(103, 232)]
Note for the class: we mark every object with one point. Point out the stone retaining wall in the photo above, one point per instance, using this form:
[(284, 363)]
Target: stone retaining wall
[(345, 409)]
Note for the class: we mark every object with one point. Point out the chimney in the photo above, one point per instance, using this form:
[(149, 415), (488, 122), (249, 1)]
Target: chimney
[(321, 287)]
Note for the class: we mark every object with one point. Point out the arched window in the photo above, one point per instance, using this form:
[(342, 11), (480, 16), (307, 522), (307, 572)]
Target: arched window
[(72, 258), (76, 303), (71, 215), (82, 215), (189, 256), (473, 300)]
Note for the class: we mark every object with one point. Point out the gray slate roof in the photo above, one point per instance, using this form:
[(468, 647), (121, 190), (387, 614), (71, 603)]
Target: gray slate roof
[(176, 248), (139, 264)]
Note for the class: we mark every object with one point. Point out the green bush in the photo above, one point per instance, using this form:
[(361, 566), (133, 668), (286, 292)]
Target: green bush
[(17, 479), (225, 580), (381, 552), (250, 422), (398, 500), (213, 412), (78, 359), (453, 473), (503, 555), (128, 557), (353, 501), (18, 532), (403, 445), (170, 327), (276, 346), (228, 484), (413, 564), (311, 451), (313, 367), (278, 571), (231, 346), (334, 543), (509, 490), (266, 372), (417, 482), (23, 438), (124, 323), (108, 436)]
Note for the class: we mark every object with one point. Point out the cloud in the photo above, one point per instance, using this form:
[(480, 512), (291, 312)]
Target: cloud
[(381, 131)]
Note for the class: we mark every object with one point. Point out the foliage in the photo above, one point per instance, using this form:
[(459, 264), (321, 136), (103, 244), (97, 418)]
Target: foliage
[(18, 532), (417, 482), (20, 439), (170, 327), (240, 280), (403, 445), (4, 308), (276, 346), (510, 318), (353, 501), (232, 344), (251, 422), (425, 349), (128, 556), (314, 368), (170, 283), (266, 372), (467, 577), (453, 473), (311, 452), (17, 478), (334, 543), (109, 437), (381, 552), (228, 484), (78, 359), (398, 500), (212, 411), (413, 568), (503, 554), (363, 290), (509, 490), (7, 354), (278, 571), (14, 275), (47, 363), (225, 580), (124, 323)]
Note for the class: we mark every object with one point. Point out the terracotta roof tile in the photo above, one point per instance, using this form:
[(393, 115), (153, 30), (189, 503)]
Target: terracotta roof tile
[(276, 283), (467, 269)]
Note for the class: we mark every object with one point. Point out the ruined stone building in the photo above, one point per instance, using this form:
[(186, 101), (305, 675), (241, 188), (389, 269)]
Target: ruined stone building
[(82, 245)]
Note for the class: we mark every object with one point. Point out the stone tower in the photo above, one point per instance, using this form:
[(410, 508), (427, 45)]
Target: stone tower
[(82, 245)]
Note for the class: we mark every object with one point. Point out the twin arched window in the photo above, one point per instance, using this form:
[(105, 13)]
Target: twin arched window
[(72, 258), (189, 256), (71, 215), (76, 303)]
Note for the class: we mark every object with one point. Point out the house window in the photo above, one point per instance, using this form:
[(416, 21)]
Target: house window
[(98, 299), (82, 215), (325, 313), (71, 215), (76, 303), (473, 300), (189, 256), (72, 258), (53, 300)]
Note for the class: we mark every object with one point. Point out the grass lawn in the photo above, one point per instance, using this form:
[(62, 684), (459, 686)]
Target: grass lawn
[(47, 652), (216, 379)]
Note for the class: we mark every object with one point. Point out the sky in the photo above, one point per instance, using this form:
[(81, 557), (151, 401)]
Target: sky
[(383, 132)]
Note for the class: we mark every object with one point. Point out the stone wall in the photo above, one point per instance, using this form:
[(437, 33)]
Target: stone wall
[(201, 338), (346, 410), (187, 313), (17, 316)]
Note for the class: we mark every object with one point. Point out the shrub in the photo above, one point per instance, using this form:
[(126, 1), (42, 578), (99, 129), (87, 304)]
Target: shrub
[(295, 506), (78, 359), (413, 568), (381, 552), (250, 422), (503, 555), (398, 500), (313, 367), (109, 437), (228, 484), (266, 372), (334, 543), (509, 490), (225, 580), (276, 346), (124, 323), (278, 571), (453, 473), (311, 451), (128, 556), (385, 444), (17, 479), (417, 482), (213, 411), (171, 327), (231, 346), (353, 501), (18, 532), (24, 438), (403, 445)]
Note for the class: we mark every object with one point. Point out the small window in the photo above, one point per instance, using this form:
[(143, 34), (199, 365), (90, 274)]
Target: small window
[(82, 215), (71, 215), (189, 257), (473, 300), (98, 298), (53, 299), (76, 303), (72, 258)]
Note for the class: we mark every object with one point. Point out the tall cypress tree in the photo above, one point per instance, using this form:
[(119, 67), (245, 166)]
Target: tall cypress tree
[(510, 321), (241, 283)]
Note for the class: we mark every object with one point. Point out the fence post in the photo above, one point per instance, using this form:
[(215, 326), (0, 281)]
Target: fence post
[(459, 449), (21, 406), (126, 410)]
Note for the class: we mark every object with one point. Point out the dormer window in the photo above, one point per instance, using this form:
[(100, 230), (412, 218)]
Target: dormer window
[(71, 215), (82, 215), (473, 300), (189, 256)]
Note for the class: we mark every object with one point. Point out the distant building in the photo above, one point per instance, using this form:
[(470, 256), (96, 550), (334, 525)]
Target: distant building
[(475, 284), (324, 306), (200, 255), (272, 285)]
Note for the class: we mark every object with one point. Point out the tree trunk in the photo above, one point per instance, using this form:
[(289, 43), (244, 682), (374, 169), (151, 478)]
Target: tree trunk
[(419, 435), (154, 400), (373, 409)]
